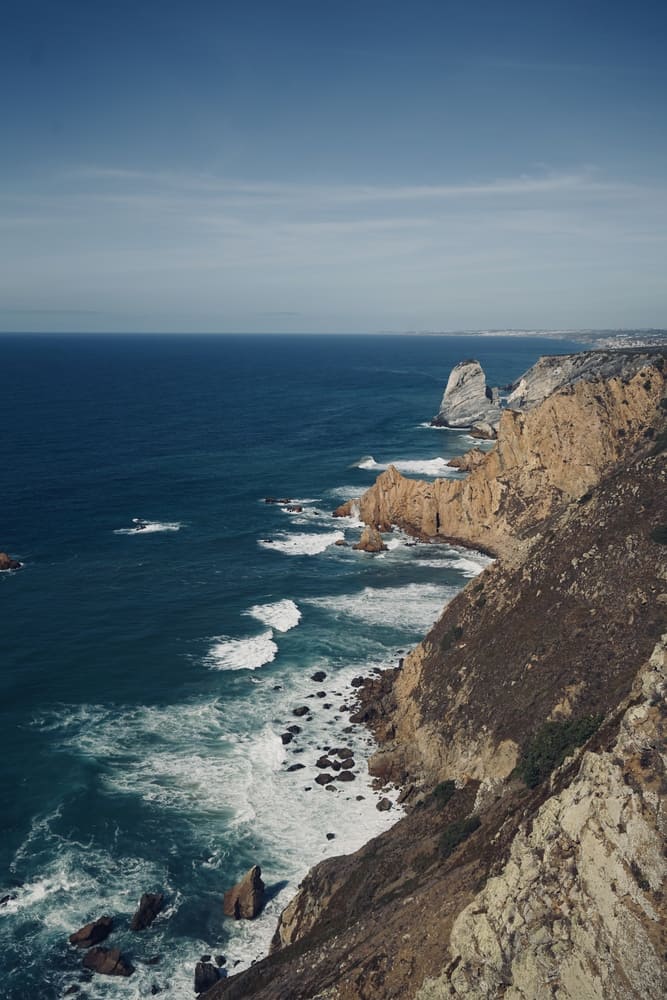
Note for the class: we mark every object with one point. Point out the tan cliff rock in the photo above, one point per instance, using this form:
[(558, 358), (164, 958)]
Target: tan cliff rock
[(544, 457), (578, 911)]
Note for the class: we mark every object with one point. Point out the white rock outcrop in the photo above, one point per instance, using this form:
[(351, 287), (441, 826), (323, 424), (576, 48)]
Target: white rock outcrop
[(467, 399)]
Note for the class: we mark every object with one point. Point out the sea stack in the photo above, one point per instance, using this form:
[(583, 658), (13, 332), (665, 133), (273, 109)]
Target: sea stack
[(468, 400), (246, 899)]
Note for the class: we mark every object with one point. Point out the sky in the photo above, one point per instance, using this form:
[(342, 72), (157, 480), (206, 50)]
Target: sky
[(312, 166)]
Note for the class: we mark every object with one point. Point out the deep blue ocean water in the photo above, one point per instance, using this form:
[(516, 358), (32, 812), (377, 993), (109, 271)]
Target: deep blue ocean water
[(146, 675)]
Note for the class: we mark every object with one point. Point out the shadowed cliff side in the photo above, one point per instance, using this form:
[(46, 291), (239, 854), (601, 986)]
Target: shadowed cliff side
[(528, 731)]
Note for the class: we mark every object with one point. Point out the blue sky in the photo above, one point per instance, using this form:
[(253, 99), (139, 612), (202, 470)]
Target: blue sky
[(314, 166)]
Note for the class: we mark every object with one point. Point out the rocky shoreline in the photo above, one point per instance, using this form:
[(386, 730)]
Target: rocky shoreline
[(527, 730)]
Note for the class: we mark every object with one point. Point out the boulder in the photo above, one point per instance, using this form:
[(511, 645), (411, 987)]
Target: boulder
[(347, 764), (484, 431), (246, 899), (467, 399), (150, 905), (6, 562), (323, 762), (324, 779), (295, 767), (286, 738), (384, 805), (370, 541), (469, 461), (318, 676), (92, 933), (301, 711), (345, 776), (107, 962), (206, 976)]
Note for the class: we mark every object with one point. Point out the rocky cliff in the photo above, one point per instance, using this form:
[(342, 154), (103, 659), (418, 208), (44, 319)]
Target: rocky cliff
[(468, 400), (528, 732), (544, 457)]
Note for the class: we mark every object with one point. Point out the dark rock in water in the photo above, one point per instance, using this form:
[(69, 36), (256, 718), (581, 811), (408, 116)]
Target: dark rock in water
[(327, 705), (345, 776), (92, 933), (323, 762), (360, 798), (295, 767), (331, 836), (286, 738), (357, 682), (320, 694), (300, 711), (107, 962), (384, 805), (246, 899), (206, 975), (295, 509), (282, 500), (6, 562), (347, 764), (155, 990), (348, 729), (150, 905), (277, 687), (341, 543), (343, 752), (294, 729), (153, 960), (324, 779), (8, 898), (220, 960), (318, 676), (335, 765), (205, 958), (71, 990)]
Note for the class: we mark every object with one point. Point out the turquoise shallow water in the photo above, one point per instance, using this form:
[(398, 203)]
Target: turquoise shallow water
[(147, 675)]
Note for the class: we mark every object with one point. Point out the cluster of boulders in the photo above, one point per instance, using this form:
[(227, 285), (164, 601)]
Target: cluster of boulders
[(110, 961)]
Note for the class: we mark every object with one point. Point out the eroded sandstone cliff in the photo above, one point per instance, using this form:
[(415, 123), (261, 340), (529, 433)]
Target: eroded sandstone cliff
[(543, 458)]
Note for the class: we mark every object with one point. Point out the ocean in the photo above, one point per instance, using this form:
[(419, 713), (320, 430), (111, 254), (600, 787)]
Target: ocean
[(149, 672)]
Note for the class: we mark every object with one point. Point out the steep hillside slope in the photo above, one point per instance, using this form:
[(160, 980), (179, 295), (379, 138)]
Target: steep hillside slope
[(525, 867)]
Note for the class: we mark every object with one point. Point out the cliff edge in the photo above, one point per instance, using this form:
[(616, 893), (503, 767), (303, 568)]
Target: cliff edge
[(527, 730)]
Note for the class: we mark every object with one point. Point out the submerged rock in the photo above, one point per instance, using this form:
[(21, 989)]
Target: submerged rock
[(107, 962), (467, 399), (92, 933), (149, 906), (246, 899)]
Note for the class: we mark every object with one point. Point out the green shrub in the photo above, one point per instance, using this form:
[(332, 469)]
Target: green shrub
[(443, 792), (659, 534), (551, 745), (456, 833), (451, 636)]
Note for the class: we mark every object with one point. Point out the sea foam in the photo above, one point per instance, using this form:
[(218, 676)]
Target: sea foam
[(301, 543), (282, 615), (150, 527), (414, 607), (423, 467), (242, 654)]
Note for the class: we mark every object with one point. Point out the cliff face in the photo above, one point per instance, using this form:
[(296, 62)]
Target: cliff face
[(500, 881), (577, 911), (543, 458)]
